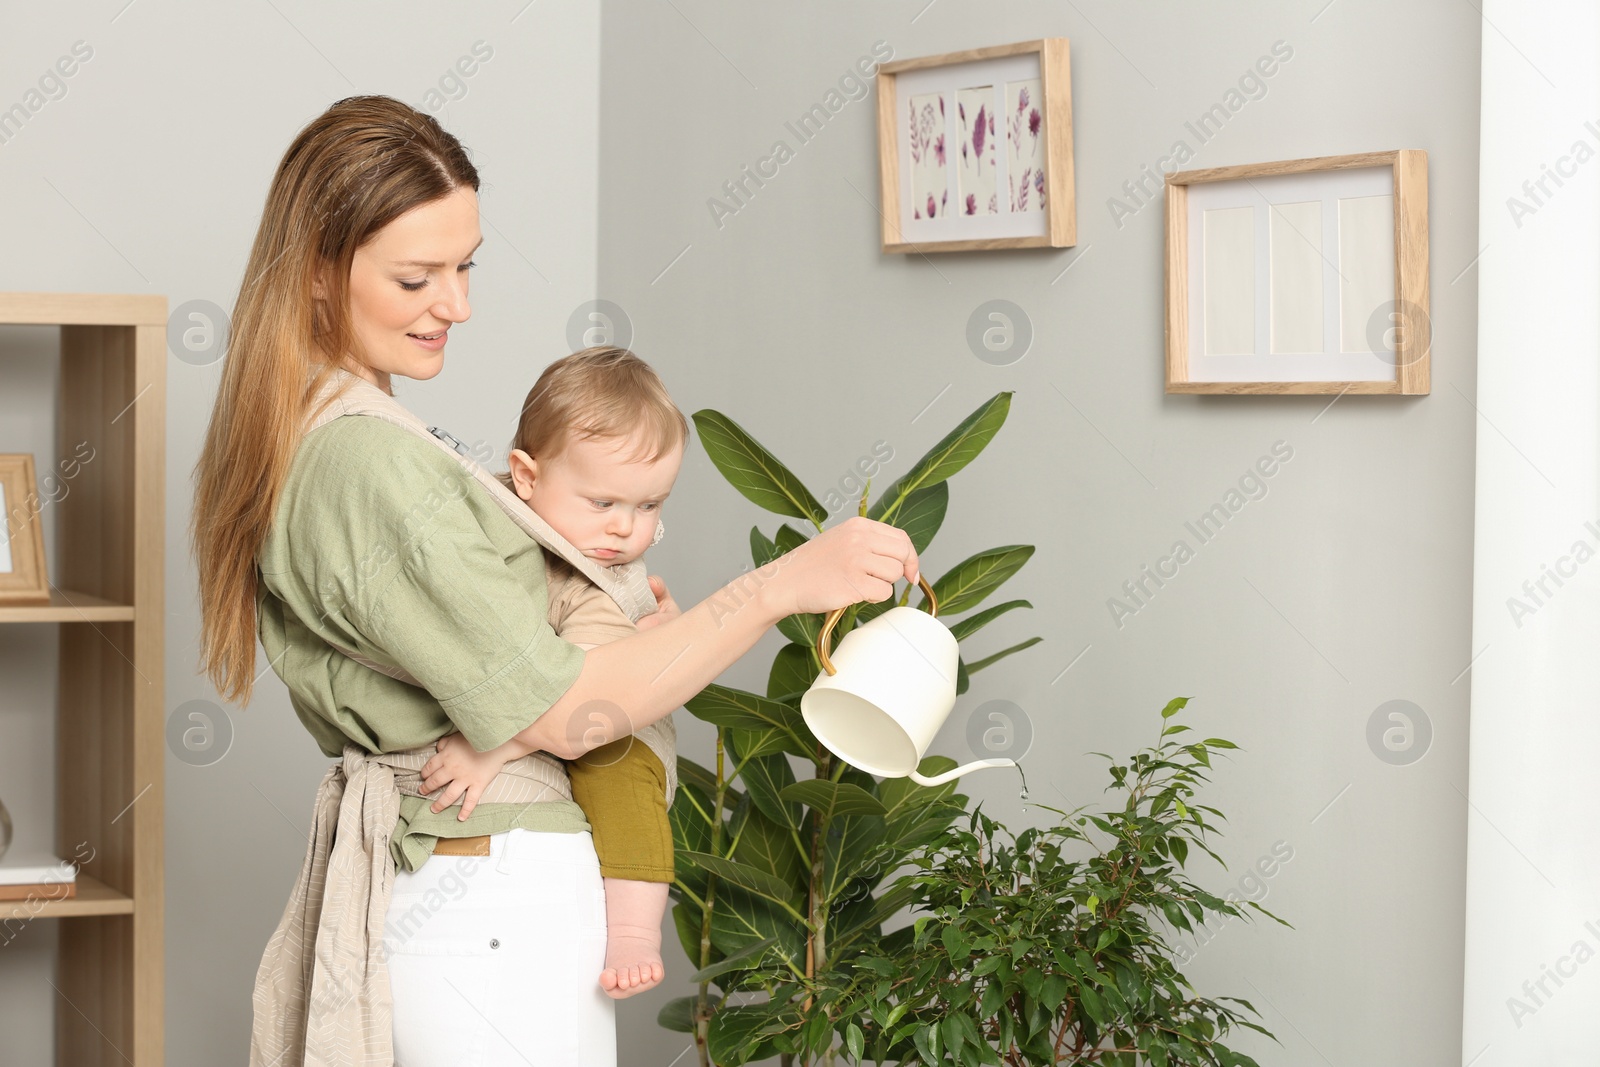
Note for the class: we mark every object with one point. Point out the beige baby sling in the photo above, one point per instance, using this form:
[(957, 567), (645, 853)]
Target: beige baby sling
[(626, 583), (321, 993)]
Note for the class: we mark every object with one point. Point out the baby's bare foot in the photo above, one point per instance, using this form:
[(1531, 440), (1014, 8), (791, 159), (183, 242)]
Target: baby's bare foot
[(633, 964)]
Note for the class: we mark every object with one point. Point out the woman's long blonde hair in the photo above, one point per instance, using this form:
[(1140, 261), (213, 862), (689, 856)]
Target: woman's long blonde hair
[(355, 168)]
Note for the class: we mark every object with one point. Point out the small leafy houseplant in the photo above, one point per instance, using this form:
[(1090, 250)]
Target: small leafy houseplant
[(777, 875), (1047, 947)]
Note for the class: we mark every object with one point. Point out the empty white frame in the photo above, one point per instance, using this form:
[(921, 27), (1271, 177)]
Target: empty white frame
[(975, 149), (1301, 276)]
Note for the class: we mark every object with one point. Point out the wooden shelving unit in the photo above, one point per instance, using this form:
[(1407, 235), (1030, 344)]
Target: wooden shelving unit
[(107, 595)]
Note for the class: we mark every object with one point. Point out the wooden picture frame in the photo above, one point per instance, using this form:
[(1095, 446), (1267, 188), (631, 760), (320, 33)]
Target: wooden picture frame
[(1330, 283), (916, 159), (23, 580)]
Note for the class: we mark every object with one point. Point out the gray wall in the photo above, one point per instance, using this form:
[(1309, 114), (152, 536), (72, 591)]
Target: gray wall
[(1345, 586)]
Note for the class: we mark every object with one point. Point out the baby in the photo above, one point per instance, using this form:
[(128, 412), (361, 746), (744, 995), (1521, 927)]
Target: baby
[(596, 453)]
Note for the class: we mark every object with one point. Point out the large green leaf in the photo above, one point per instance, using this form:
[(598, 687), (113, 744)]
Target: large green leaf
[(851, 775), (863, 919), (744, 959), (853, 912), (788, 539), (686, 919), (742, 874), (762, 550), (965, 628), (917, 814), (978, 665), (954, 451), (733, 1037), (829, 799), (793, 671), (753, 470), (691, 830), (722, 706), (766, 777), (901, 797), (753, 743), (923, 513), (690, 815), (966, 584), (884, 907), (911, 809), (677, 1014), (698, 776), (740, 918), (769, 847), (801, 629), (851, 844)]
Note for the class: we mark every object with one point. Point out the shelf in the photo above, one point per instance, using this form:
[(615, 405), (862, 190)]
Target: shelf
[(110, 714), (94, 898), (82, 309), (69, 606)]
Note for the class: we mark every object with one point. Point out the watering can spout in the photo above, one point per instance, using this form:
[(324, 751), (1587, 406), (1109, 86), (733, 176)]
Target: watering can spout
[(940, 779)]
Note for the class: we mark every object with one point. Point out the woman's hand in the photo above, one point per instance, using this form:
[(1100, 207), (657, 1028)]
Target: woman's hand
[(666, 607), (858, 560), (464, 772)]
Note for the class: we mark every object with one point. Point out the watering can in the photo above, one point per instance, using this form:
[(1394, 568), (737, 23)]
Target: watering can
[(886, 690)]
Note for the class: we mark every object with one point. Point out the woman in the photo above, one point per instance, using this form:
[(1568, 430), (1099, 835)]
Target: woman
[(358, 537)]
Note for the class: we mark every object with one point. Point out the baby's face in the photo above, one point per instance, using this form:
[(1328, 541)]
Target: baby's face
[(597, 496)]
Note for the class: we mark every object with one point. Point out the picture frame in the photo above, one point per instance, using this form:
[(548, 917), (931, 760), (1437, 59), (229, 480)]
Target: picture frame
[(991, 185), (23, 579), (1302, 276)]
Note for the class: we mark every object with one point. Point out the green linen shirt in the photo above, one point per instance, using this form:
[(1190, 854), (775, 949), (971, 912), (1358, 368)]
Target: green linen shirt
[(384, 544)]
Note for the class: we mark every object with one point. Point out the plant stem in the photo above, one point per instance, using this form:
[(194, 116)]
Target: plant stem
[(702, 1015), (815, 943)]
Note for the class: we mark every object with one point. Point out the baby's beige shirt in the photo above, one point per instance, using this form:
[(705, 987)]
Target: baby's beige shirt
[(621, 786)]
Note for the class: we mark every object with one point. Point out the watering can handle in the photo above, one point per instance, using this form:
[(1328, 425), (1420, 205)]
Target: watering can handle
[(825, 637)]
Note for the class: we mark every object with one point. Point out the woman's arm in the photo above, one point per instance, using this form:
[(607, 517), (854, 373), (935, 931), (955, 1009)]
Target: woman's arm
[(642, 678)]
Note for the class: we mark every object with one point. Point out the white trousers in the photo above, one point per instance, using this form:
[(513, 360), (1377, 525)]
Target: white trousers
[(494, 961)]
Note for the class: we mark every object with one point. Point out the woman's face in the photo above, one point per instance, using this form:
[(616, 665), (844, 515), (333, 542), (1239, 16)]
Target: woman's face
[(408, 286)]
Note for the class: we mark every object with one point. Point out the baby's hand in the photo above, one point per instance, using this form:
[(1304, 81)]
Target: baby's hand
[(666, 607), (463, 772)]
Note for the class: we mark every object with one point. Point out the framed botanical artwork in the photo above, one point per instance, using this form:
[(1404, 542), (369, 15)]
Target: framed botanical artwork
[(975, 149), (1301, 276), (22, 572)]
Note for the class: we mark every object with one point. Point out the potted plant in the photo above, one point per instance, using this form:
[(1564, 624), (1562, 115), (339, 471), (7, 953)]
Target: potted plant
[(777, 875), (1049, 946)]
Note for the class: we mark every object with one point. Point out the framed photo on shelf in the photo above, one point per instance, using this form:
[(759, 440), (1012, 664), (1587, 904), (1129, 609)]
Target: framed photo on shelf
[(22, 571), (1301, 276), (975, 149)]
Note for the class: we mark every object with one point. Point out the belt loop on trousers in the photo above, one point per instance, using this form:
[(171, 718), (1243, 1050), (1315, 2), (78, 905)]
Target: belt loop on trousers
[(503, 864)]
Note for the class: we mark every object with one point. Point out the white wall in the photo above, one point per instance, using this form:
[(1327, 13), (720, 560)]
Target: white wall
[(1347, 586), (1533, 922), (149, 175)]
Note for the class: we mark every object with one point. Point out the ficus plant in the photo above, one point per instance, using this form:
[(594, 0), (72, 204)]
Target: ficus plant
[(1051, 946), (778, 873)]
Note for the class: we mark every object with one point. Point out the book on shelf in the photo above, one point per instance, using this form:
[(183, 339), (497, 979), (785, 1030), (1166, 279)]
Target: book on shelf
[(37, 877)]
